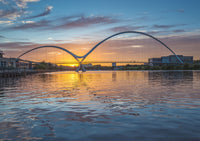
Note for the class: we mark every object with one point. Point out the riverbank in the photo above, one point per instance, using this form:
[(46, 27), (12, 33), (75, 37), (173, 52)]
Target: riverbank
[(163, 67), (16, 72)]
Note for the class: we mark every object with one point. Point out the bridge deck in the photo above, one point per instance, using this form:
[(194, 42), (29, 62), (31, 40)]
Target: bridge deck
[(95, 62)]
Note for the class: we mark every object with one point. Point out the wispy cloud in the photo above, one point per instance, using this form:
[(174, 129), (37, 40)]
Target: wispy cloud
[(16, 44), (167, 26), (126, 28), (180, 10), (23, 3), (178, 30), (27, 22), (54, 53), (12, 13), (83, 21), (30, 25), (163, 26), (174, 11), (3, 1), (14, 9), (136, 46), (6, 22), (160, 32), (46, 12), (69, 22), (153, 32), (2, 36), (16, 48)]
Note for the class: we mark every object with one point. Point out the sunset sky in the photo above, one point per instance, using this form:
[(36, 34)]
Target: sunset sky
[(78, 25)]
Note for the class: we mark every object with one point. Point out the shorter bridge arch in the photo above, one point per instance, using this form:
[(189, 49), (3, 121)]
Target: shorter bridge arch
[(72, 54)]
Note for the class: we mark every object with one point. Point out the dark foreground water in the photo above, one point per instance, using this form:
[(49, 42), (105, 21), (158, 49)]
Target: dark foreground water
[(118, 106)]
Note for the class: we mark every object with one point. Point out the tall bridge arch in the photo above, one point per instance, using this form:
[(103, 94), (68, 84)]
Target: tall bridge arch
[(82, 58)]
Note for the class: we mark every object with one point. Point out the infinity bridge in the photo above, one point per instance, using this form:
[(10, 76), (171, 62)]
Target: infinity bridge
[(80, 59), (102, 62)]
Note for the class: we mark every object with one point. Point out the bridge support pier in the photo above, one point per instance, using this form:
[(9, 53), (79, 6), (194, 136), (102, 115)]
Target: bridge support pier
[(81, 67), (114, 65)]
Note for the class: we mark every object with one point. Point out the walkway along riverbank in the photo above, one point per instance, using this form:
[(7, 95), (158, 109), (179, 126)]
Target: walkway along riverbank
[(16, 72)]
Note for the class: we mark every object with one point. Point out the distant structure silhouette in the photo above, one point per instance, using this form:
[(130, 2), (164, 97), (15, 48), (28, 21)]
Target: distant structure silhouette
[(82, 58)]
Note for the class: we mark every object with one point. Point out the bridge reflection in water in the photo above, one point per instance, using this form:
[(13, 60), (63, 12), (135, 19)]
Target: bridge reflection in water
[(101, 104)]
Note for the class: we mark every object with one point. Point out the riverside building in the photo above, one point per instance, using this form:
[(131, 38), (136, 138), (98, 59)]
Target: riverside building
[(170, 60)]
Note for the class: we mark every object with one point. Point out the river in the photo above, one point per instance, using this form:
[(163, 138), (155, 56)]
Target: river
[(101, 105)]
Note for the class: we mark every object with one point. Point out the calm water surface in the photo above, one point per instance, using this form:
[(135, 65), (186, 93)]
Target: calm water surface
[(110, 105)]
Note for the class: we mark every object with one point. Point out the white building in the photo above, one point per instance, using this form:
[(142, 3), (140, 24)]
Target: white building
[(7, 62), (170, 60), (13, 62)]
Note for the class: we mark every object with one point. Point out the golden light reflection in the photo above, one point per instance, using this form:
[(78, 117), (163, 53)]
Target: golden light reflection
[(103, 87), (69, 86), (86, 87)]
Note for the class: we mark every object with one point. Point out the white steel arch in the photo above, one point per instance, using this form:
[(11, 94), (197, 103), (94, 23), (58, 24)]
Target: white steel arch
[(84, 56)]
